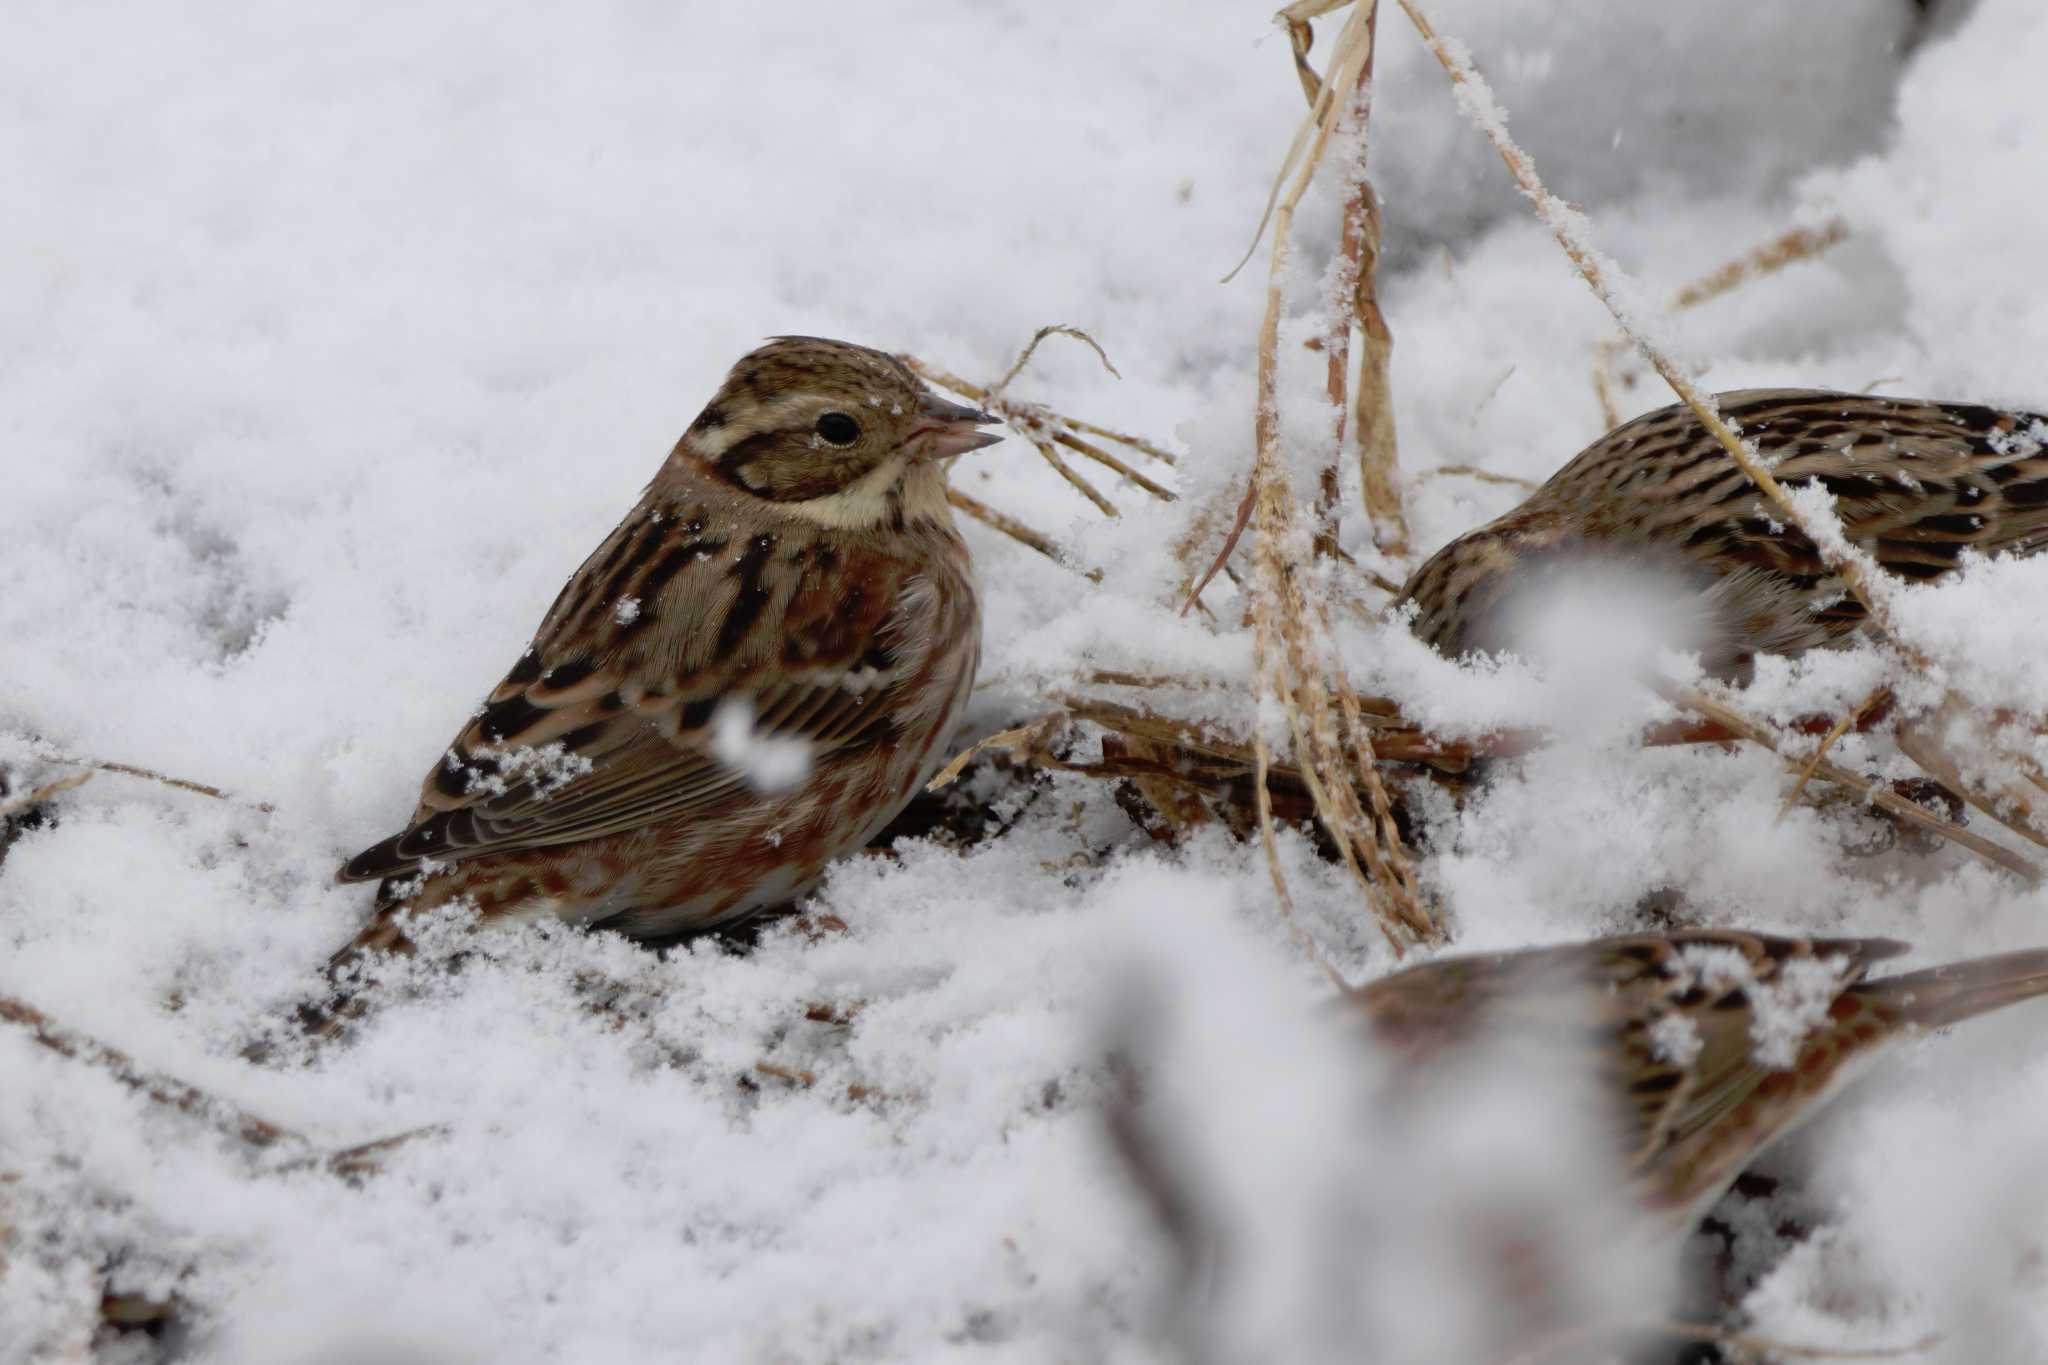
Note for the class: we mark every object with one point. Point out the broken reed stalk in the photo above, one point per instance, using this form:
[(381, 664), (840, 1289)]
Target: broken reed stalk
[(1354, 299), (1196, 759), (1373, 403), (1567, 225), (1290, 636)]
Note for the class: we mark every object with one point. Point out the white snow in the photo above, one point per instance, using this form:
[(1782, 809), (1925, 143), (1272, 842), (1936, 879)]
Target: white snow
[(770, 763), (331, 342)]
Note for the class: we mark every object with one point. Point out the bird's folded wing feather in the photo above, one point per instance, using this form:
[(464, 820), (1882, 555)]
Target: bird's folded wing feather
[(576, 743)]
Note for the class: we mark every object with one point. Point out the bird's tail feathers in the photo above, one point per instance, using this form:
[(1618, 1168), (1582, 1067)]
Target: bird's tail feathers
[(1940, 996)]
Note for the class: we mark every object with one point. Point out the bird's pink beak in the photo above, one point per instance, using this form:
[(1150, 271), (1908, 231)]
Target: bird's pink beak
[(949, 429)]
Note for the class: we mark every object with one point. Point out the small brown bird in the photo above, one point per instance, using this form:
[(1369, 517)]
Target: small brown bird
[(1915, 484), (751, 676), (1709, 1043)]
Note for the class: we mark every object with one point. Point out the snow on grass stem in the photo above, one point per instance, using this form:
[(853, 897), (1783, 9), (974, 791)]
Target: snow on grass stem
[(1290, 659), (1811, 510)]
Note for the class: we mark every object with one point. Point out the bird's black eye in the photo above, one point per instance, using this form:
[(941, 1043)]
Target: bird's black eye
[(839, 429)]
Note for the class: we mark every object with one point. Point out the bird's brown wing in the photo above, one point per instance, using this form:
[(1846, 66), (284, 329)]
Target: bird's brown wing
[(1915, 483), (602, 726), (1599, 1005), (1678, 1089)]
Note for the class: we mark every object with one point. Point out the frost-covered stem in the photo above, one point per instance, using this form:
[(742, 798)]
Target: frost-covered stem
[(1304, 153), (1354, 299), (1881, 698), (1378, 460), (1876, 793), (1282, 624), (1262, 799), (162, 1090), (2007, 804), (1819, 524)]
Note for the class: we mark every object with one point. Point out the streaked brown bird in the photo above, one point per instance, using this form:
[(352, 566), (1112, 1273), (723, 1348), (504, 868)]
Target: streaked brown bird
[(750, 677), (1709, 1044), (1915, 484)]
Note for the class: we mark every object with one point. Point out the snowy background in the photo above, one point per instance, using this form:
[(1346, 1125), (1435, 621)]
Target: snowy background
[(332, 338)]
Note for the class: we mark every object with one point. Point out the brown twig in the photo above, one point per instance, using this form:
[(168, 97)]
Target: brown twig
[(182, 784), (1851, 718), (186, 1099), (16, 804), (1750, 1345), (1288, 631), (1874, 792), (226, 1117), (1798, 244), (1015, 530), (1046, 429), (1050, 329)]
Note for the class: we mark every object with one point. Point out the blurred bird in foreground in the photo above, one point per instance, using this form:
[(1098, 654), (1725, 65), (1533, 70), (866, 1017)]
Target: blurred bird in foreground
[(1705, 1044), (1495, 1155), (1915, 485), (750, 677)]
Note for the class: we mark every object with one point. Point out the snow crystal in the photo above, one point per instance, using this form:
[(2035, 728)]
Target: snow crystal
[(771, 763), (1674, 1038)]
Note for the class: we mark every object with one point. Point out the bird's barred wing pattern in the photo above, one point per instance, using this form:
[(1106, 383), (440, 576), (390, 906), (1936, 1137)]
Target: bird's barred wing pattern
[(1916, 484), (576, 743), (1667, 1022)]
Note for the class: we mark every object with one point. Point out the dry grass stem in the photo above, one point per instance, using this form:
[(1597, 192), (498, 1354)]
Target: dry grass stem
[(1798, 244), (1354, 299), (1855, 716), (16, 804), (162, 1090), (1874, 792), (1466, 471), (1066, 471), (1050, 329), (1015, 530), (1047, 430), (1858, 574), (2008, 805), (1025, 740), (225, 1117), (1291, 658), (1606, 385), (182, 784)]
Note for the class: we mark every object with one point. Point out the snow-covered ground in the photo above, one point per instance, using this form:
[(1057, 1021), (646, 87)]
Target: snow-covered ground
[(332, 339)]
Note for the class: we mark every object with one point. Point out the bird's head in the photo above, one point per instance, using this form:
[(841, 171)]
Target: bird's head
[(828, 429)]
